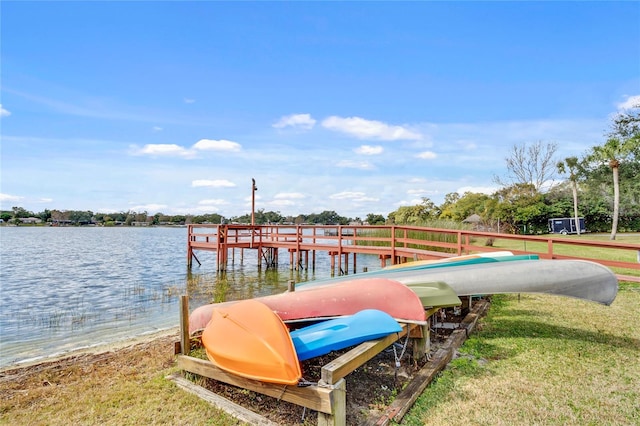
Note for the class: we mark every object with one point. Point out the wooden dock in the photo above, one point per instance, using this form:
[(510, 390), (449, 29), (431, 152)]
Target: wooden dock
[(392, 244)]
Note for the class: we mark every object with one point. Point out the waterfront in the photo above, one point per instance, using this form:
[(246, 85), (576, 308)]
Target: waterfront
[(74, 287)]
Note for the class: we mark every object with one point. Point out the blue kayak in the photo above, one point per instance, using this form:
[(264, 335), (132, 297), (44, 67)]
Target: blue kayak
[(339, 333)]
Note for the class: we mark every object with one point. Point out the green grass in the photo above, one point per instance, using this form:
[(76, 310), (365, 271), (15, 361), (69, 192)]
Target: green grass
[(543, 360), (580, 251), (575, 250)]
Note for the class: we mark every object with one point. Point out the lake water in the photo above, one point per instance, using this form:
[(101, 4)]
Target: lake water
[(68, 288)]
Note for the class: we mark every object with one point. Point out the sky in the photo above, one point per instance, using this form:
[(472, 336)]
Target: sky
[(355, 107)]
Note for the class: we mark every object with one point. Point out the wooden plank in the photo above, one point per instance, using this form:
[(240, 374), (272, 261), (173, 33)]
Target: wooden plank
[(340, 367), (233, 409), (317, 398)]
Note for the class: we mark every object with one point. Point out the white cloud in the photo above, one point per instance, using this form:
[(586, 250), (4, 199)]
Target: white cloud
[(301, 121), (216, 183), (189, 101), (281, 203), (417, 180), (477, 189), (630, 103), (216, 145), (353, 196), (150, 208), (163, 149), (157, 128), (369, 129), (350, 164), (289, 195), (213, 202), (411, 202), (369, 150), (427, 155), (200, 209), (256, 196), (8, 197), (4, 112)]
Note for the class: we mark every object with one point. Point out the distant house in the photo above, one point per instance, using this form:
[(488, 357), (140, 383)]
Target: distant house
[(30, 220)]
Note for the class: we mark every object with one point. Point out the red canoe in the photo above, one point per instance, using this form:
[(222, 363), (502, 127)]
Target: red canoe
[(249, 340), (334, 300)]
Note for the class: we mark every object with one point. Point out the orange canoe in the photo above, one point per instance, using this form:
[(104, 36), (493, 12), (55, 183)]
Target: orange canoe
[(248, 339)]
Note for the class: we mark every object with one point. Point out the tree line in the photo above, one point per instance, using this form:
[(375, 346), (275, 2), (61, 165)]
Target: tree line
[(601, 186)]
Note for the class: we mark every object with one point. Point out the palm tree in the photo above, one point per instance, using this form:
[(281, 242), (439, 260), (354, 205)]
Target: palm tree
[(571, 163), (613, 153)]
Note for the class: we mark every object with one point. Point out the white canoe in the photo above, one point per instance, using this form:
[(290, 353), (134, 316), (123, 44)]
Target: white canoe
[(572, 278)]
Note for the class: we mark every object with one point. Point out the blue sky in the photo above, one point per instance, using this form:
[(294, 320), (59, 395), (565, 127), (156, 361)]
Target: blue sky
[(357, 107)]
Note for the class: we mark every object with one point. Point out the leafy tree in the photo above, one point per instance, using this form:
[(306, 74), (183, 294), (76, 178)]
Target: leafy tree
[(131, 217), (45, 215), (521, 208), (142, 217), (449, 205), (415, 215), (178, 219), (463, 207), (570, 165), (532, 165), (80, 217), (20, 212), (375, 219)]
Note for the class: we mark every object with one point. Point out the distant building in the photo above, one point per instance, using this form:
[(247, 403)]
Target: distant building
[(30, 220)]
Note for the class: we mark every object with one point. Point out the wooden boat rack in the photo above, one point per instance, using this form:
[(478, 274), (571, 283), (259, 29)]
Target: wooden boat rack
[(328, 396)]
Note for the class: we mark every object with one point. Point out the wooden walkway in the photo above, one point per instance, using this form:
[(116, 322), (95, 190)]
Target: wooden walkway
[(394, 244)]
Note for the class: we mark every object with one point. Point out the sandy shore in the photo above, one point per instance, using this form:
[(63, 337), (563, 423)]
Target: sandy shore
[(97, 349)]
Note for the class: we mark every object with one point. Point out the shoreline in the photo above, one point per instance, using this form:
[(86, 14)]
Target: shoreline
[(97, 349)]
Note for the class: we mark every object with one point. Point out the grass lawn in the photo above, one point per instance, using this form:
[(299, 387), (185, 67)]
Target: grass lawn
[(542, 359)]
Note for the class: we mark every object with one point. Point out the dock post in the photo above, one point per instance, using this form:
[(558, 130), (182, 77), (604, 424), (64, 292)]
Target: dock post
[(291, 260), (185, 342), (260, 259), (332, 254)]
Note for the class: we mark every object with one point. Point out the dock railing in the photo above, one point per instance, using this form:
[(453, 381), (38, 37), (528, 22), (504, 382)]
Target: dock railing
[(402, 243)]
